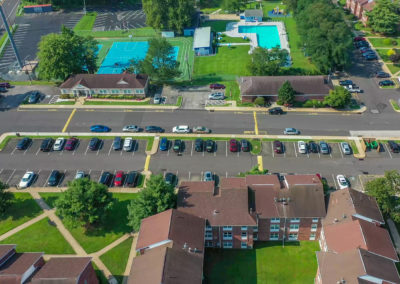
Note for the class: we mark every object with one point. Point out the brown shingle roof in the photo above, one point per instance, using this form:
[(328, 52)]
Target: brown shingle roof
[(168, 266), (179, 227), (379, 267), (19, 263), (366, 205), (368, 6), (62, 268), (4, 250), (106, 81), (269, 85)]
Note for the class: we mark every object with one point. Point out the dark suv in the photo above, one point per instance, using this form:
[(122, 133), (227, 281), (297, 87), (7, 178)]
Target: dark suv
[(47, 144), (275, 110), (132, 178), (117, 144), (94, 143), (54, 178), (23, 143), (210, 145), (394, 147), (198, 145), (178, 145), (105, 178)]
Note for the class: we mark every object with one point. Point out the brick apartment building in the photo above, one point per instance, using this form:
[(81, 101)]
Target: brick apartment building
[(359, 8)]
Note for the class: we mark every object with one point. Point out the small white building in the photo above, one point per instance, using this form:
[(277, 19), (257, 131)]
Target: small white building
[(202, 41)]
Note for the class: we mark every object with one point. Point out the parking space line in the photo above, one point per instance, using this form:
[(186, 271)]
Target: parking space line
[(62, 179), (226, 148), (191, 152), (12, 153), (189, 175), (168, 152), (201, 176), (294, 146), (272, 149), (87, 149), (100, 176), (387, 149), (109, 151), (340, 149), (334, 181), (10, 176), (37, 152), (47, 179), (27, 148), (226, 174)]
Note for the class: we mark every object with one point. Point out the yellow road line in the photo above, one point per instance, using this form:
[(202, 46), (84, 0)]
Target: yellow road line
[(255, 123), (147, 163), (69, 120), (260, 163)]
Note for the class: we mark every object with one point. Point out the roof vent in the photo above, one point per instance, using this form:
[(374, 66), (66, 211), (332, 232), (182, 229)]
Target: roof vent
[(215, 211), (335, 220), (185, 246), (342, 281), (344, 216), (275, 199)]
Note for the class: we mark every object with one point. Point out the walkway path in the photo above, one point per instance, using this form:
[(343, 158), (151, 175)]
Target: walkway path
[(23, 226), (132, 255)]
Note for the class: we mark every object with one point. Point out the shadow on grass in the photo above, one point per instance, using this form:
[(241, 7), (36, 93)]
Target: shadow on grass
[(21, 207)]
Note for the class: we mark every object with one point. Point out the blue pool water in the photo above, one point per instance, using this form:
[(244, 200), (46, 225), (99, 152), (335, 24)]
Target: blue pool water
[(267, 36), (120, 54)]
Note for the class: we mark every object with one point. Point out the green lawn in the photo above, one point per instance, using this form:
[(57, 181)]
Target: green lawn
[(395, 105), (383, 54), (86, 22), (380, 42), (216, 26), (255, 146), (268, 262), (50, 198), (117, 258), (228, 39), (22, 209), (90, 102), (394, 68), (40, 237), (139, 32)]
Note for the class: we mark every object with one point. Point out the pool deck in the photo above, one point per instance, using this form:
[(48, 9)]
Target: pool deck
[(232, 30)]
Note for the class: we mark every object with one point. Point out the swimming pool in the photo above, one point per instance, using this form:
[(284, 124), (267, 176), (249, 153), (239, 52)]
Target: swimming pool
[(267, 36), (120, 54)]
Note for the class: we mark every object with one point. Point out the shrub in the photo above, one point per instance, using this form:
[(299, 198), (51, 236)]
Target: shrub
[(390, 52), (279, 103), (387, 41), (313, 103), (65, 96), (394, 42), (395, 58), (260, 101)]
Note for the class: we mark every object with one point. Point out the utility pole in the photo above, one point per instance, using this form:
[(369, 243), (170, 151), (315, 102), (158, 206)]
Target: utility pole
[(84, 6), (3, 16)]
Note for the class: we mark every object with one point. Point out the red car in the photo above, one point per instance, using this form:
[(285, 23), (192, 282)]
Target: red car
[(71, 144), (217, 86), (278, 147), (233, 145), (119, 177), (359, 38)]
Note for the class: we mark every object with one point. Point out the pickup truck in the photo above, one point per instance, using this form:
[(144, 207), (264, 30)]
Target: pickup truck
[(353, 89)]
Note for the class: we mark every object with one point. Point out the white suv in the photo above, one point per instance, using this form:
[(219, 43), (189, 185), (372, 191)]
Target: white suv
[(128, 143), (59, 144), (302, 147), (181, 129)]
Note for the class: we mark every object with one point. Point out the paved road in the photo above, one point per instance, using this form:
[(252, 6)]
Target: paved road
[(10, 10)]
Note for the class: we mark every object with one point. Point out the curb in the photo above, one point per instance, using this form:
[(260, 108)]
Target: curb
[(285, 109), (98, 107)]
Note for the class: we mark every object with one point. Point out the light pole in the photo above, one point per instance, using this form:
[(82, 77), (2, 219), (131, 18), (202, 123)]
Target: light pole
[(84, 6)]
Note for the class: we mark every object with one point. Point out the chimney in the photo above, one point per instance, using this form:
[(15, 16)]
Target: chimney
[(184, 246), (215, 212)]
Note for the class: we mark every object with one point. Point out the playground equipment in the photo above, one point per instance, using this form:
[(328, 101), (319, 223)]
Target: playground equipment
[(277, 11), (371, 144)]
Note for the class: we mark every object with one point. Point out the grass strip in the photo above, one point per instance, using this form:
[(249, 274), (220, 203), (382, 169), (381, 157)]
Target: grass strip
[(115, 103), (395, 105), (86, 23), (354, 147), (255, 146), (150, 142)]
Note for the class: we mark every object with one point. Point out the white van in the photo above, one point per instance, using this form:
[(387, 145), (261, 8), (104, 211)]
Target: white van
[(157, 99), (128, 142)]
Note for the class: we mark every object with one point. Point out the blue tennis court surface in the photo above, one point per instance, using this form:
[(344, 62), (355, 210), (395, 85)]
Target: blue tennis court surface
[(120, 54)]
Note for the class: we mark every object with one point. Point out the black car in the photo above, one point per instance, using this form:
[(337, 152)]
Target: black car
[(105, 178), (371, 57), (210, 146), (47, 144), (346, 82), (170, 178), (359, 44), (312, 147), (3, 90), (382, 74), (34, 97), (117, 144), (132, 178), (198, 145), (54, 178), (24, 143), (394, 147), (245, 145), (275, 110), (178, 145), (154, 129), (386, 83), (94, 143)]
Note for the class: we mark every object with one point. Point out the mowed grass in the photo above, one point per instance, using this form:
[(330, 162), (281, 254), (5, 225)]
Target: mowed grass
[(268, 262), (382, 42), (86, 22), (394, 68), (40, 237), (22, 209), (117, 258), (217, 26), (50, 198)]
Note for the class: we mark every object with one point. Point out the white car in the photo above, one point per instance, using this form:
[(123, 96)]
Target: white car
[(342, 181), (131, 128), (345, 148), (128, 143), (291, 131), (26, 180), (181, 129), (79, 175), (302, 146), (59, 144), (216, 96)]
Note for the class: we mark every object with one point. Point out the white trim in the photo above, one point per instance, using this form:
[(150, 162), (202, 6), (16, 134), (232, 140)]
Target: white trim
[(367, 219), (155, 245)]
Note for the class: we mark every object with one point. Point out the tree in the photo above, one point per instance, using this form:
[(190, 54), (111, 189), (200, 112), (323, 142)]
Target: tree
[(286, 93), (67, 53), (384, 17), (159, 63), (233, 5), (85, 202), (5, 198), (260, 101), (339, 97), (156, 197), (267, 62)]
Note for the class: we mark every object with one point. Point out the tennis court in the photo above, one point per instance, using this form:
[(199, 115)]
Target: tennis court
[(120, 54)]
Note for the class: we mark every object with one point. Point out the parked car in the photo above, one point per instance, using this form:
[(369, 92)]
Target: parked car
[(59, 144), (346, 149), (342, 181), (208, 176), (117, 143), (365, 49), (94, 143), (201, 129), (27, 179), (291, 131), (128, 144), (181, 129), (154, 129), (178, 146), (372, 57), (210, 146), (359, 38), (54, 178), (198, 145), (313, 147), (33, 97), (302, 146), (164, 144), (119, 178), (382, 74), (368, 53), (3, 90), (217, 86), (105, 178), (278, 147), (324, 147), (46, 145), (100, 128), (24, 143), (353, 89), (244, 145), (170, 178), (132, 178), (157, 99), (216, 96), (345, 82), (5, 85), (394, 147), (79, 175), (233, 145), (275, 110), (386, 83), (131, 128), (71, 144), (361, 44)]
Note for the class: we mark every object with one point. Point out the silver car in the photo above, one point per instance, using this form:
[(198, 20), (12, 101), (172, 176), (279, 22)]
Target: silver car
[(59, 144), (291, 131), (346, 149), (131, 128), (216, 96)]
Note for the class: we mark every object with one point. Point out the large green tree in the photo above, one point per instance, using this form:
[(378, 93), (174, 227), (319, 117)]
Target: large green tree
[(159, 63), (84, 203), (67, 53), (156, 197), (384, 17), (5, 198), (339, 97), (233, 5), (266, 62), (286, 93), (172, 15)]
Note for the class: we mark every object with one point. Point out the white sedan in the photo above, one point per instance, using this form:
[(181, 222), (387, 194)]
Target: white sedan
[(342, 181), (59, 144), (26, 180), (131, 128), (181, 129), (302, 147)]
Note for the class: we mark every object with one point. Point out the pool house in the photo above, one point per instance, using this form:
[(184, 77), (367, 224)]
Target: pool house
[(202, 42)]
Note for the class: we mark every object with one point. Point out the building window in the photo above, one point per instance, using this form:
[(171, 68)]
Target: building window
[(208, 228), (312, 237), (227, 235), (227, 245), (244, 228), (243, 245), (314, 227), (294, 220), (139, 91), (315, 220), (275, 220), (255, 236), (274, 236), (292, 237), (227, 228), (274, 228), (244, 235), (92, 92), (294, 227), (208, 244), (208, 235), (255, 229)]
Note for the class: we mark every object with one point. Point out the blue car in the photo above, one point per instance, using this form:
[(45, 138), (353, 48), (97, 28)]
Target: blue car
[(100, 128), (164, 144)]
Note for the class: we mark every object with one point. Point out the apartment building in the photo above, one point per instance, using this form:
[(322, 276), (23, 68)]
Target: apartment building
[(359, 8)]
